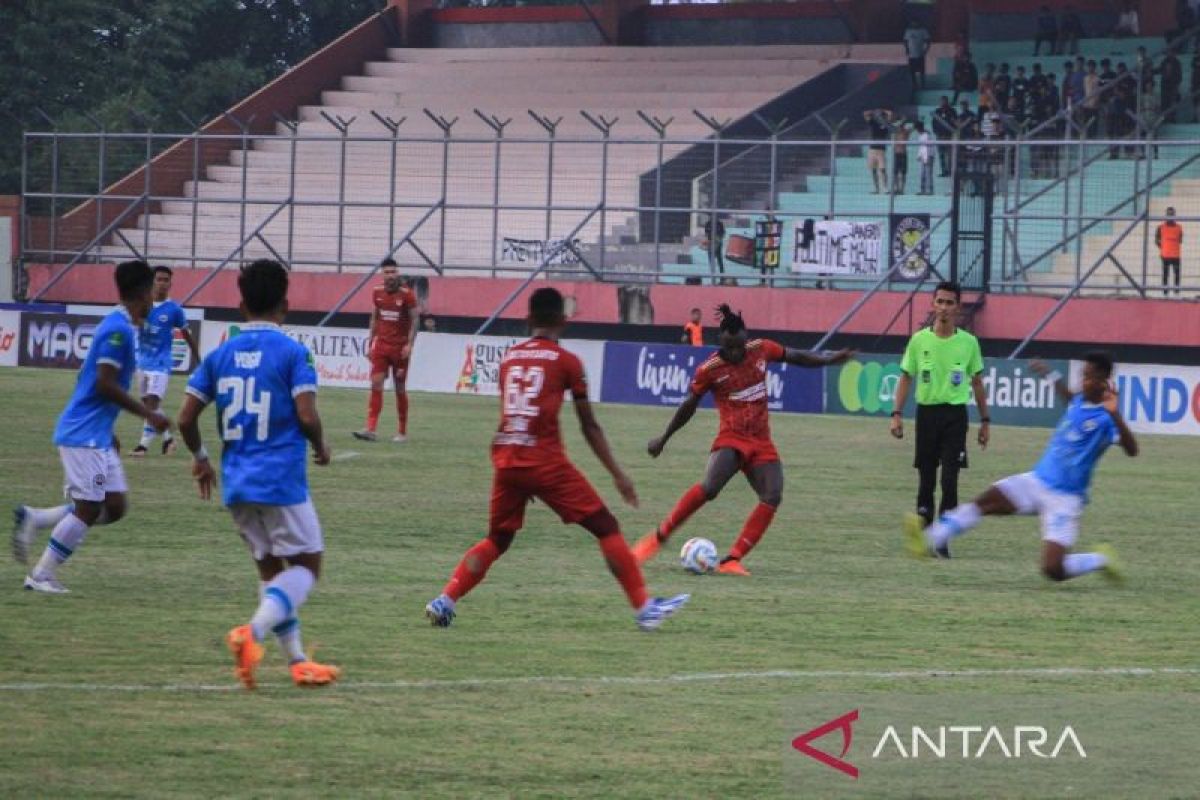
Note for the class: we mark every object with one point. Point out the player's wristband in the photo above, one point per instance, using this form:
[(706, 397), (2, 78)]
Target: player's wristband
[(1054, 377), (897, 414), (201, 454)]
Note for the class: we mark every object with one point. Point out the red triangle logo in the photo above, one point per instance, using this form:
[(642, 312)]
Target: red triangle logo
[(842, 723)]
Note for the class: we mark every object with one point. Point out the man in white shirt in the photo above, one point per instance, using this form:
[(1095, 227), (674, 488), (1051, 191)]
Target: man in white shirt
[(925, 149)]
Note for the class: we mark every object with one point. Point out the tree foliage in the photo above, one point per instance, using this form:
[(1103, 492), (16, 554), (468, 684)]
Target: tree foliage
[(134, 64)]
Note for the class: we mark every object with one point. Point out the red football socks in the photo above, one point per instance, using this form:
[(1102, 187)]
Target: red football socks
[(402, 410), (624, 568), (472, 569), (689, 504), (756, 525), (374, 406)]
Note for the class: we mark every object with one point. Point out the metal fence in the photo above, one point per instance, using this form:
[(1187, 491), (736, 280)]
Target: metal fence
[(1065, 214)]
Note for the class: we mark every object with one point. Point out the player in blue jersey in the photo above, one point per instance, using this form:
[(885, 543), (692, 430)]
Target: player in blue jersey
[(155, 340), (265, 389), (1057, 488), (95, 481)]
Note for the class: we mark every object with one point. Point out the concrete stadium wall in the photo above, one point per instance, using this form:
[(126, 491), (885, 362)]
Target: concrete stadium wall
[(1088, 320)]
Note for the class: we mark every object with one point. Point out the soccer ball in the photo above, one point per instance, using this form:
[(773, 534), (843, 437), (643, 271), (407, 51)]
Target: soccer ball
[(698, 556)]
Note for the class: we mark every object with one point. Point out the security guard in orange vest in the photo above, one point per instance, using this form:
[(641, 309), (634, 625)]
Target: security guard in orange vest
[(1169, 238)]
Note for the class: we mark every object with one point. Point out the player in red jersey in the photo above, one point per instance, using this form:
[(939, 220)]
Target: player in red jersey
[(530, 462), (736, 375), (389, 345)]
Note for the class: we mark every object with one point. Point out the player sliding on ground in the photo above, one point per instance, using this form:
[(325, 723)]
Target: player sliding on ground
[(95, 480), (530, 462), (1057, 488), (265, 389), (737, 376)]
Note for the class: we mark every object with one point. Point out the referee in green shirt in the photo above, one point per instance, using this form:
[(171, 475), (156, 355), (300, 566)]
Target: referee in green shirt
[(947, 365)]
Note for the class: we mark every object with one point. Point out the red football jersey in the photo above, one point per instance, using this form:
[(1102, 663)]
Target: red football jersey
[(740, 390), (393, 315), (534, 376)]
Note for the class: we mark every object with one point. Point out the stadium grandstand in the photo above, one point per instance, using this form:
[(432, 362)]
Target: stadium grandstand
[(595, 142)]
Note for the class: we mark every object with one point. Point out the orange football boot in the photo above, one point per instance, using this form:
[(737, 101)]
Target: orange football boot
[(246, 653), (310, 673), (646, 547), (733, 567)]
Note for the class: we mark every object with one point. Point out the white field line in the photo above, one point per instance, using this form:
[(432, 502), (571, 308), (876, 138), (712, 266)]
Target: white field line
[(632, 680), (346, 456)]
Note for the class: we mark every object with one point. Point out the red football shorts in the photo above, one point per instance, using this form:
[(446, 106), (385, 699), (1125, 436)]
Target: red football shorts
[(559, 485), (752, 452), (389, 359)]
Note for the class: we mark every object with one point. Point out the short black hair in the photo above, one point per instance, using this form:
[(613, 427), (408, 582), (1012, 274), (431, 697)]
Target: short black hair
[(730, 321), (264, 285), (133, 278), (1101, 361), (546, 306), (694, 310), (388, 262), (949, 286), (161, 268)]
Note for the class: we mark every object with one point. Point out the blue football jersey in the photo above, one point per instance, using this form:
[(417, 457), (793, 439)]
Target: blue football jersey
[(158, 335), (1085, 431), (253, 378), (88, 419)]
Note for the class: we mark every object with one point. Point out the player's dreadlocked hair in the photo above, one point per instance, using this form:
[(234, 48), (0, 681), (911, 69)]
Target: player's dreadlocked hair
[(730, 322)]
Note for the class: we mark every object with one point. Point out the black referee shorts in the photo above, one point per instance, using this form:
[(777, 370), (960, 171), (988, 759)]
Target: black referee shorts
[(941, 436)]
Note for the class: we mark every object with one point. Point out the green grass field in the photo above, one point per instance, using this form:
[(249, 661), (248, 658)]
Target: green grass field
[(123, 688)]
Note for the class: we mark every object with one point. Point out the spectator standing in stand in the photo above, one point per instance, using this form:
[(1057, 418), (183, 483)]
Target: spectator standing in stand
[(1144, 68), (1196, 86), (1047, 32), (916, 45), (879, 121), (965, 77), (945, 123), (1091, 99), (1127, 23), (1002, 88), (925, 157), (987, 86), (1070, 31), (1170, 79)]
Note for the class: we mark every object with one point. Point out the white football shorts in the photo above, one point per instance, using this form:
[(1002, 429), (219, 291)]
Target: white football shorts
[(1059, 512), (92, 472), (153, 384), (279, 530)]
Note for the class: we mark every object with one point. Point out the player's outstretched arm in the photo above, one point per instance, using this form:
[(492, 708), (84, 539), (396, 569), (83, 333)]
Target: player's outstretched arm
[(109, 387), (808, 358), (310, 426), (1112, 404), (1043, 370), (594, 434), (189, 429), (683, 415)]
